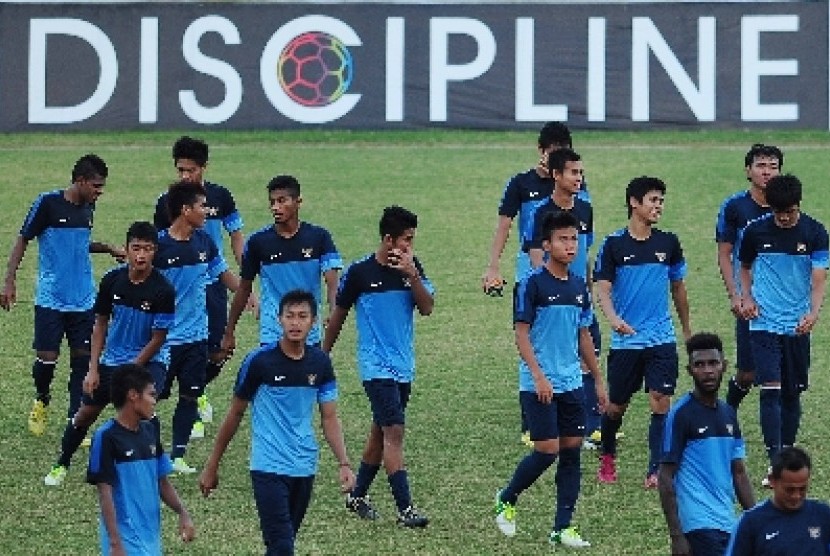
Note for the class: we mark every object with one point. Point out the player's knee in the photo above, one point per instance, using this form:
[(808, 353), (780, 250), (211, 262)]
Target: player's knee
[(47, 357), (745, 379)]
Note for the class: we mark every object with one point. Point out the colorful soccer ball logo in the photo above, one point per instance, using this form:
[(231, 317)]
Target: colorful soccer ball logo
[(315, 69)]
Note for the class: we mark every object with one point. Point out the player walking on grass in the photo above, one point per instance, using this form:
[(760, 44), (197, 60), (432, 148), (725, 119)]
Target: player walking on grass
[(635, 268), (762, 163), (190, 157), (188, 258), (552, 316), (702, 467), (133, 311), (62, 223), (288, 255), (128, 466), (282, 381), (386, 287), (784, 260)]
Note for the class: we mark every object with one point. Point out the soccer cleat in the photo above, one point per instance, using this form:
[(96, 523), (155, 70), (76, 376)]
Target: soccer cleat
[(410, 517), (180, 466), (651, 482), (362, 507), (86, 442), (525, 438), (198, 430), (505, 516), (205, 409), (55, 476), (593, 441), (569, 537), (607, 472), (37, 418)]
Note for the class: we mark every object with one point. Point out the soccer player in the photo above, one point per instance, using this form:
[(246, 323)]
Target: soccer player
[(385, 286), (702, 468), (188, 257), (190, 157), (283, 381), (635, 268), (288, 255), (133, 311), (784, 260), (789, 523), (128, 466), (61, 221), (552, 315), (566, 169), (762, 163)]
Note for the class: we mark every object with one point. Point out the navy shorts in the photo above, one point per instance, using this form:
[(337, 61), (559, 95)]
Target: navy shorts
[(188, 365), (781, 358), (388, 399), (743, 355), (52, 325), (711, 542), (630, 369), (216, 296), (281, 502), (563, 416)]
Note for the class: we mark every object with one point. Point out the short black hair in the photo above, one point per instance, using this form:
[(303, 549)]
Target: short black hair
[(558, 220), (639, 187), (783, 192), (560, 157), (554, 133), (143, 231), (791, 458), (395, 221), (296, 297), (190, 149), (703, 341), (125, 378), (760, 150), (182, 194), (89, 166), (289, 183)]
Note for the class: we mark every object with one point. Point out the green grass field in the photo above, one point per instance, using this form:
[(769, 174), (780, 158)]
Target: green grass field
[(463, 440)]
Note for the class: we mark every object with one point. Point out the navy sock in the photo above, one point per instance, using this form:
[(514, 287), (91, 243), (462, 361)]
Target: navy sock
[(184, 416), (528, 470), (592, 414), (609, 428), (365, 475), (78, 367), (43, 372), (771, 419), (399, 482), (735, 394), (212, 371), (568, 478), (790, 418), (655, 440), (72, 438)]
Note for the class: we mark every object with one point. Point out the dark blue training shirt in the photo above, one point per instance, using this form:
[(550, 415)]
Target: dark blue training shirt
[(735, 213), (583, 211), (767, 531)]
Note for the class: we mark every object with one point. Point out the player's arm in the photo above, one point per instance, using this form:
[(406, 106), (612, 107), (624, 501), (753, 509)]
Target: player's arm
[(336, 320), (9, 295), (333, 433), (726, 273), (238, 304), (668, 500), (107, 504), (607, 306), (96, 348), (492, 276), (681, 305), (237, 245), (209, 479), (332, 278), (187, 532), (152, 347), (818, 281), (544, 389), (589, 358), (742, 484), (749, 309), (117, 252)]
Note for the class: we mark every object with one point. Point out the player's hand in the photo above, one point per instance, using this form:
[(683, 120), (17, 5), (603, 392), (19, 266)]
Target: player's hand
[(492, 281), (227, 345), (806, 324), (187, 531), (347, 479), (8, 297), (735, 302), (252, 306), (208, 481), (749, 309), (602, 397), (621, 327), (91, 381), (544, 389), (680, 546), (402, 260)]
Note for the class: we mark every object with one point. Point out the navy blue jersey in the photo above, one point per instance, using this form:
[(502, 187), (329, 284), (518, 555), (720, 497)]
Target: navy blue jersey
[(285, 264), (190, 266), (555, 309), (583, 212), (64, 233), (782, 262), (385, 323), (132, 463), (640, 273), (703, 442), (221, 213), (767, 531), (283, 393), (735, 213)]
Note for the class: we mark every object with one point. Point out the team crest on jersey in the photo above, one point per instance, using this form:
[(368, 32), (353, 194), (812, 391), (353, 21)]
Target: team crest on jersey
[(583, 226), (146, 305), (660, 256), (801, 247), (312, 379), (815, 532), (202, 256), (307, 252), (212, 211), (579, 299), (407, 283)]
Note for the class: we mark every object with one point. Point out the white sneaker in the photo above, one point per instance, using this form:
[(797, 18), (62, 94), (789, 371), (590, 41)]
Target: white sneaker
[(180, 466), (568, 537), (205, 409), (198, 430), (505, 516)]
